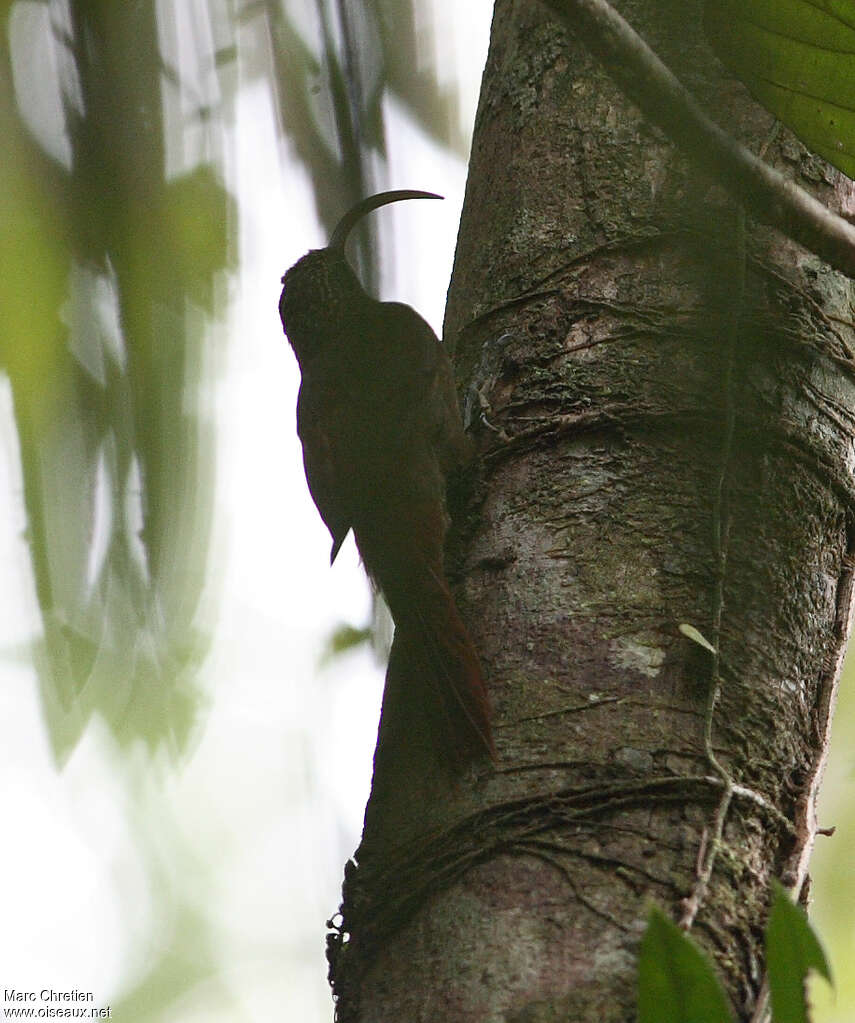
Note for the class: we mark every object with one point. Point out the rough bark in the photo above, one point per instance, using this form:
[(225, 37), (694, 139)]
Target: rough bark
[(668, 438)]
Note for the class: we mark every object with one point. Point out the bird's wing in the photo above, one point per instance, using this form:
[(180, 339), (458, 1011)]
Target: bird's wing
[(322, 474), (423, 396)]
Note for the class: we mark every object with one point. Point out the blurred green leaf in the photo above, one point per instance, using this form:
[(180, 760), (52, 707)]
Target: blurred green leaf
[(792, 951), (343, 639), (331, 85), (114, 227), (108, 266), (798, 59), (408, 41), (676, 982), (35, 265), (195, 217)]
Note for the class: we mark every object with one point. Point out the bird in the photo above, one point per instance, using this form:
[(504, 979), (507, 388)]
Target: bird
[(380, 427)]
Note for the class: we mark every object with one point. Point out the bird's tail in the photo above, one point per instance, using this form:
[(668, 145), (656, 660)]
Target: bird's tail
[(435, 653), (436, 667)]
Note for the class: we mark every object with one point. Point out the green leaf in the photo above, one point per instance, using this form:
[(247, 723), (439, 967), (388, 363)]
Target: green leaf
[(792, 950), (798, 59), (343, 639), (690, 632), (676, 982)]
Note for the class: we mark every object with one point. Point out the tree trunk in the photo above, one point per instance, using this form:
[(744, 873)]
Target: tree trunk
[(666, 440)]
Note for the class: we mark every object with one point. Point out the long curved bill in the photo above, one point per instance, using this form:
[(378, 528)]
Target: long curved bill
[(372, 202)]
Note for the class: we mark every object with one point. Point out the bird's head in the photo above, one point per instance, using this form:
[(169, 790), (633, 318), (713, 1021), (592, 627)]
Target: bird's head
[(320, 287)]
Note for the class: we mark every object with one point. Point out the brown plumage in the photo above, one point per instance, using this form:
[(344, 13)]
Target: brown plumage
[(380, 426)]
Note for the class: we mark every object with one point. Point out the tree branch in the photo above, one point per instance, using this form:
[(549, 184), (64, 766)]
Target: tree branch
[(769, 196)]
